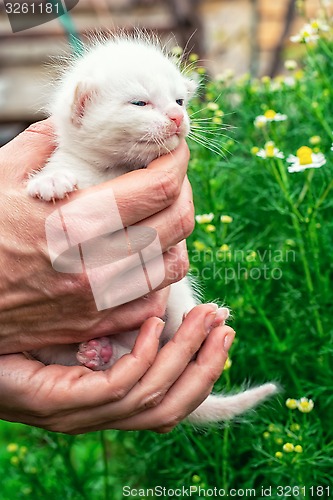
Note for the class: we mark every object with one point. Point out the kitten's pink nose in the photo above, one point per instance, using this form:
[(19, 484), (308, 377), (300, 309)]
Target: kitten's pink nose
[(176, 117)]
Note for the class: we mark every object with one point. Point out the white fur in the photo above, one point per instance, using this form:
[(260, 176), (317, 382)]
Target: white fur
[(101, 134)]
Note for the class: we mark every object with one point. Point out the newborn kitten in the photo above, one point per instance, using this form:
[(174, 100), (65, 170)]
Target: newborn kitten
[(117, 108)]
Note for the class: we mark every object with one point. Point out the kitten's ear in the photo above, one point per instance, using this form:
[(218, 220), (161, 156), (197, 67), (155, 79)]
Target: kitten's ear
[(83, 95), (192, 87)]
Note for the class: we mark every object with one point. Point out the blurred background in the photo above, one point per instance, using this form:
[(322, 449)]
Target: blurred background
[(238, 35)]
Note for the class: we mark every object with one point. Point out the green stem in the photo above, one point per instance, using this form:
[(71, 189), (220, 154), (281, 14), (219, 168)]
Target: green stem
[(266, 321), (305, 188), (225, 449), (308, 278), (285, 191), (296, 217), (326, 49), (65, 453), (313, 237), (312, 62), (106, 473), (324, 196), (323, 122), (225, 459)]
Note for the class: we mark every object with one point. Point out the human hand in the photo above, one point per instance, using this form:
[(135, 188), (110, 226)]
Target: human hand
[(39, 306), (146, 389)]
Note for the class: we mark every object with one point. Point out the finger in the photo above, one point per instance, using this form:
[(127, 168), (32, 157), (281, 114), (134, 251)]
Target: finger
[(169, 364), (173, 358), (198, 380), (176, 264), (188, 392), (29, 150), (150, 190), (134, 313), (177, 221), (43, 391)]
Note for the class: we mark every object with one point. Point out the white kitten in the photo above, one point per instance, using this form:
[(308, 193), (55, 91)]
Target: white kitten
[(117, 108)]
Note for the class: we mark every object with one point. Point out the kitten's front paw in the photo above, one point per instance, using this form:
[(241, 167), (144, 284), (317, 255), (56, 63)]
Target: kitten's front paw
[(51, 186)]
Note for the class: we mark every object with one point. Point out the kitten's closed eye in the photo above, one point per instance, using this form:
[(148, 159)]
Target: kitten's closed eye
[(139, 103), (180, 102)]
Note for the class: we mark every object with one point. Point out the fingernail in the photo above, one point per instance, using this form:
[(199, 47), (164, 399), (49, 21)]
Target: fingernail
[(228, 340), (221, 315), (159, 328), (212, 304)]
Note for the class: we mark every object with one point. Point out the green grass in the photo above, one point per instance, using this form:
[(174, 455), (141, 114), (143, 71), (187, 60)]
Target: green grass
[(271, 262)]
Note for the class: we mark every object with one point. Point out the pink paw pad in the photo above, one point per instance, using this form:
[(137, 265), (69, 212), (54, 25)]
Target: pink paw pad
[(95, 354)]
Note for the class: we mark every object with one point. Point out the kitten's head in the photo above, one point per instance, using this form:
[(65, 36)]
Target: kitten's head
[(127, 102)]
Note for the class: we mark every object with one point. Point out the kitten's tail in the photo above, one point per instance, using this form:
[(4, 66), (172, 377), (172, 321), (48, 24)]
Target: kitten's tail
[(220, 408)]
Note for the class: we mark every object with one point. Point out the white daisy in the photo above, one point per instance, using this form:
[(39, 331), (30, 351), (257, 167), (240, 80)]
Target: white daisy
[(310, 32), (204, 218), (305, 158), (270, 151), (269, 116), (306, 35)]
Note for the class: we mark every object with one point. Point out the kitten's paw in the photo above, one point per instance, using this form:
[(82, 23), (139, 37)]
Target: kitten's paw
[(52, 186), (95, 354)]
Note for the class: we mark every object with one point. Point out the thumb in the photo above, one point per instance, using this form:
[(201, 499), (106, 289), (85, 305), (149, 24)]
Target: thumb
[(28, 151)]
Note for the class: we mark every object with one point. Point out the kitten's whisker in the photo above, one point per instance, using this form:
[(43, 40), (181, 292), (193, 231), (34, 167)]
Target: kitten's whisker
[(215, 144), (214, 148), (206, 117), (142, 138), (210, 120), (211, 133), (212, 136)]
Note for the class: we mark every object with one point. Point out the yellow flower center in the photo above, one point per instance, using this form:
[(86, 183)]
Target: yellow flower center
[(199, 246), (304, 154), (193, 57), (227, 364), (213, 106), (269, 149), (288, 447), (12, 447), (315, 139), (305, 406), (217, 120), (270, 114), (291, 403), (226, 219), (224, 248)]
